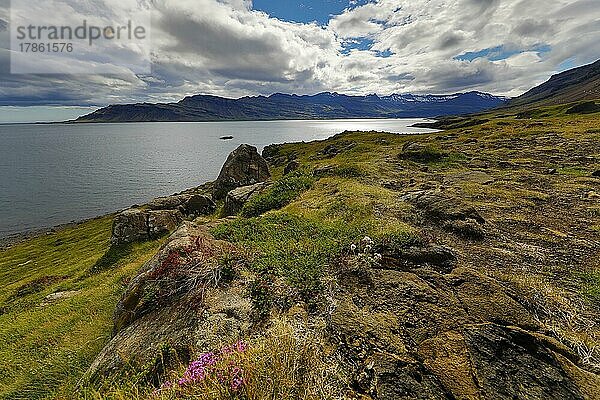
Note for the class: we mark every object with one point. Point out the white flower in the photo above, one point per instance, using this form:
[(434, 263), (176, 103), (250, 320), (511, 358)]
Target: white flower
[(368, 248), (377, 257), (353, 248), (367, 240)]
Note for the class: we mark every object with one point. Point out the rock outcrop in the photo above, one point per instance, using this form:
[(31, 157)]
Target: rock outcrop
[(130, 226), (448, 213), (422, 334), (235, 200), (159, 217), (243, 167), (182, 298)]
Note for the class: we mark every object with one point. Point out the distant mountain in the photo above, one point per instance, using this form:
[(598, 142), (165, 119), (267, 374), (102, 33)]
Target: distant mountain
[(574, 85), (285, 106)]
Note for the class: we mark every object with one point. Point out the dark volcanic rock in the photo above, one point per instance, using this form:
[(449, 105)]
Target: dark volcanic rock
[(243, 167), (422, 334), (510, 363)]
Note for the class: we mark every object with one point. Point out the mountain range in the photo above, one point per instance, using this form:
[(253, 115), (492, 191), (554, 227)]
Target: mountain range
[(289, 106)]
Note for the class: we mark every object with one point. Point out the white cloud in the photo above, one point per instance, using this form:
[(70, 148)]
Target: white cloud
[(224, 47)]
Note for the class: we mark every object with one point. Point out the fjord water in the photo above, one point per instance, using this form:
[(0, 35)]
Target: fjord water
[(54, 174)]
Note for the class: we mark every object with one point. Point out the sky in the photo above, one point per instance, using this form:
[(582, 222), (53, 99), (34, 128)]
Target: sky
[(235, 48)]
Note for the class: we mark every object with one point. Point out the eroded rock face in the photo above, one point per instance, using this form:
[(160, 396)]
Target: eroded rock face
[(235, 200), (243, 167), (179, 298), (425, 334)]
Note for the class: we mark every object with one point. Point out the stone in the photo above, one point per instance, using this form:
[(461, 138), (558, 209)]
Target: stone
[(596, 174), (441, 208), (422, 334), (175, 299), (198, 205), (291, 167), (135, 225), (235, 200), (162, 222), (420, 152), (58, 296), (243, 167), (326, 170), (168, 202), (130, 226), (449, 214)]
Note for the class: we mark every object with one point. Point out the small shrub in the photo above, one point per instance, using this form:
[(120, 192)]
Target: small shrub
[(282, 193)]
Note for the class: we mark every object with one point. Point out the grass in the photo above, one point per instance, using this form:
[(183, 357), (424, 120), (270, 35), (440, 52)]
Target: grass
[(288, 362), (46, 348), (283, 192)]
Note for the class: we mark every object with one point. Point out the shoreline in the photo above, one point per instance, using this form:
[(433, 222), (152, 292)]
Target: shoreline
[(17, 238), (20, 237)]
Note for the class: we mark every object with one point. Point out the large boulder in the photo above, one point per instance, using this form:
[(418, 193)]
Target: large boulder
[(135, 225), (448, 213), (162, 222), (130, 226), (181, 297), (243, 167), (235, 200)]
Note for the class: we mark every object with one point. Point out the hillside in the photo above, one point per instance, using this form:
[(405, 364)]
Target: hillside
[(284, 106), (482, 257), (577, 84)]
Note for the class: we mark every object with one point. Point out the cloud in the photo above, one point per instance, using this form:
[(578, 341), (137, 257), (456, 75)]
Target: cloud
[(225, 47)]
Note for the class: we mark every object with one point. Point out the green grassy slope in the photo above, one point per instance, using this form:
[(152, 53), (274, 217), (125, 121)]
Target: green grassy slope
[(47, 345)]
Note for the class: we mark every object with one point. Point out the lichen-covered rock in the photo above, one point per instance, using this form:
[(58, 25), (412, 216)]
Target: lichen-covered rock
[(168, 203), (134, 225), (162, 222), (180, 298), (422, 334), (448, 213), (235, 200), (130, 226), (243, 167)]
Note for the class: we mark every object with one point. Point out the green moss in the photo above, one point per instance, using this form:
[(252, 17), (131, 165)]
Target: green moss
[(591, 287)]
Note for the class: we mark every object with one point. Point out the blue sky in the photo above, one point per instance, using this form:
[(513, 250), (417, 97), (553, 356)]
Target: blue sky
[(235, 48), (305, 10)]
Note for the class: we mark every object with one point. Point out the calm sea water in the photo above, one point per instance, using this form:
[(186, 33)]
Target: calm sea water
[(54, 174)]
